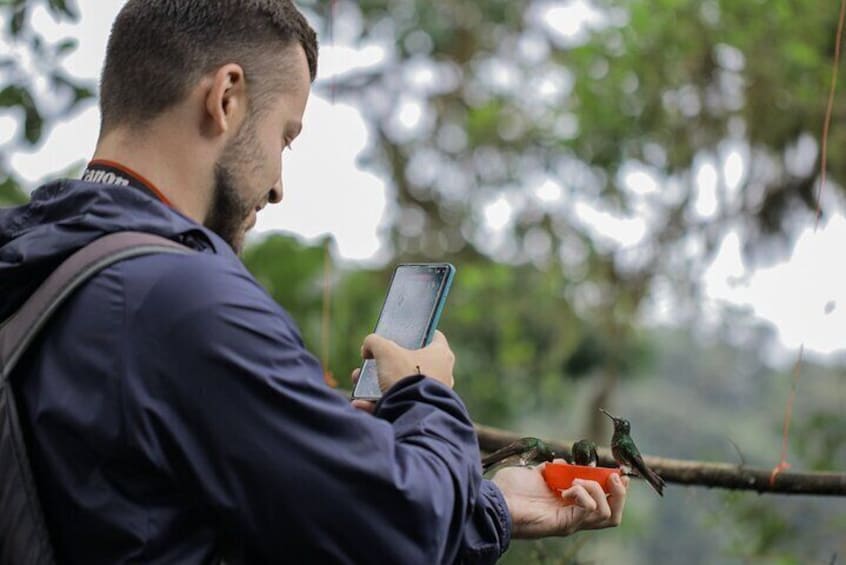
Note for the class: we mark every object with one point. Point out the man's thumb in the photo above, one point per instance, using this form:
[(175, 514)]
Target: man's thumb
[(373, 344)]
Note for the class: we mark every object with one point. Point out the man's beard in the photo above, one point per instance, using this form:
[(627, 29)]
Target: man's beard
[(228, 210)]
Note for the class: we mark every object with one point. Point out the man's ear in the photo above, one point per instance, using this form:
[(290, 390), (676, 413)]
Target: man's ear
[(226, 99)]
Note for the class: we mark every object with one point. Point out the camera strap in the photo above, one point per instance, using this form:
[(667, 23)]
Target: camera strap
[(111, 172)]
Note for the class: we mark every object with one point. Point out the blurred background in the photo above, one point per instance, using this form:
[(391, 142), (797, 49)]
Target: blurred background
[(627, 190)]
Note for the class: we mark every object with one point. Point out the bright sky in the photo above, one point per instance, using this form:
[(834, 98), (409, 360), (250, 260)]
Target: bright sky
[(327, 193)]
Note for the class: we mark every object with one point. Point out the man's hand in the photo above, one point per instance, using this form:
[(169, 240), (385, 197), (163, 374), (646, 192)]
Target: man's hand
[(537, 511), (393, 362)]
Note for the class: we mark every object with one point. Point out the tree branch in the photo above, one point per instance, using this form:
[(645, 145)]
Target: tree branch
[(700, 473)]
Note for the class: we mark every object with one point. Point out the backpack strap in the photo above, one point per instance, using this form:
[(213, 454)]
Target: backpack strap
[(23, 534)]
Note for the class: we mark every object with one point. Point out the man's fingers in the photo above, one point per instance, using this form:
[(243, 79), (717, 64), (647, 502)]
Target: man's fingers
[(602, 510), (439, 338), (365, 405), (577, 495), (355, 375), (617, 499)]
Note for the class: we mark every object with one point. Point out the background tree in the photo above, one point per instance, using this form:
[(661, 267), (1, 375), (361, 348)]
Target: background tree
[(33, 84)]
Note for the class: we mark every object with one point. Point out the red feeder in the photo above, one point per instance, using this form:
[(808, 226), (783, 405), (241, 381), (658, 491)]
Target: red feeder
[(559, 476)]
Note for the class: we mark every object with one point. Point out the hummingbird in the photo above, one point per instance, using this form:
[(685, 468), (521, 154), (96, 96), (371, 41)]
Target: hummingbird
[(584, 453), (626, 454), (525, 451)]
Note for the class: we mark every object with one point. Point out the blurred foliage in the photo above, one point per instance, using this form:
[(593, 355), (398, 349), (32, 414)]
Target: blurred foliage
[(34, 88), (512, 93)]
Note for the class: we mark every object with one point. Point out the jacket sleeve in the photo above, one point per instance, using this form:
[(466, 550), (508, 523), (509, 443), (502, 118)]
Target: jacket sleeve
[(236, 409), (488, 533)]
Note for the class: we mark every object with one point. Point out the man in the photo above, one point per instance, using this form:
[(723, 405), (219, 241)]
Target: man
[(171, 411)]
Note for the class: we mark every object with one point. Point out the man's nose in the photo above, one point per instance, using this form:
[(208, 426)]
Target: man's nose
[(276, 193)]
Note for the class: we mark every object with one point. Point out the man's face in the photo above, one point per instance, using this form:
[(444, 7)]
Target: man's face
[(248, 174)]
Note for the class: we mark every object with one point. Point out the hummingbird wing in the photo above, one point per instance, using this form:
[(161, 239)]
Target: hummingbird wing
[(513, 450), (650, 476), (538, 454)]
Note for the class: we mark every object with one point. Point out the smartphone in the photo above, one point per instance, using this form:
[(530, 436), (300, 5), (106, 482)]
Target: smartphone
[(409, 315)]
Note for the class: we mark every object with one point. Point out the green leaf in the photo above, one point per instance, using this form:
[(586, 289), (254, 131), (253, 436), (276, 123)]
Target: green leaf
[(38, 45), (13, 96), (11, 193), (16, 22), (81, 93), (482, 122), (802, 54), (33, 124), (66, 46), (61, 7)]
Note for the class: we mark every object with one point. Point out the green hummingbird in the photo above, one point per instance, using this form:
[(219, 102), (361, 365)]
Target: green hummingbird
[(525, 451), (626, 454), (584, 453)]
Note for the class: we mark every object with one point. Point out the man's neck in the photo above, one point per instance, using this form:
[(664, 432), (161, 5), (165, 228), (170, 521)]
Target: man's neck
[(168, 160)]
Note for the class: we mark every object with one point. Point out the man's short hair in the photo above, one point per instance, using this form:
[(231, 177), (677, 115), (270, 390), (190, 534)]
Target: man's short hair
[(158, 49)]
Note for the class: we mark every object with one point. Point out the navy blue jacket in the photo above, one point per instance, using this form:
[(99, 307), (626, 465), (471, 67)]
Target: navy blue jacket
[(173, 414)]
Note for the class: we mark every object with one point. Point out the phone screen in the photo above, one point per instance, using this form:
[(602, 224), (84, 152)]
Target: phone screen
[(409, 314)]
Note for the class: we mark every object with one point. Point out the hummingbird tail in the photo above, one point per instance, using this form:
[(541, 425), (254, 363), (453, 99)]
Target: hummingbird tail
[(655, 481)]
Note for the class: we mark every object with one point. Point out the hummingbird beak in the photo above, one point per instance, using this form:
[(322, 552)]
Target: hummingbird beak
[(607, 414)]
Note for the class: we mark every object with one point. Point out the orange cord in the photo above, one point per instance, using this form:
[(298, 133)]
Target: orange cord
[(788, 414), (325, 325), (797, 370)]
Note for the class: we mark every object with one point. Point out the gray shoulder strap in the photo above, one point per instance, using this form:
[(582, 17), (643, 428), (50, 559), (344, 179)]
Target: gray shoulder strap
[(20, 328)]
